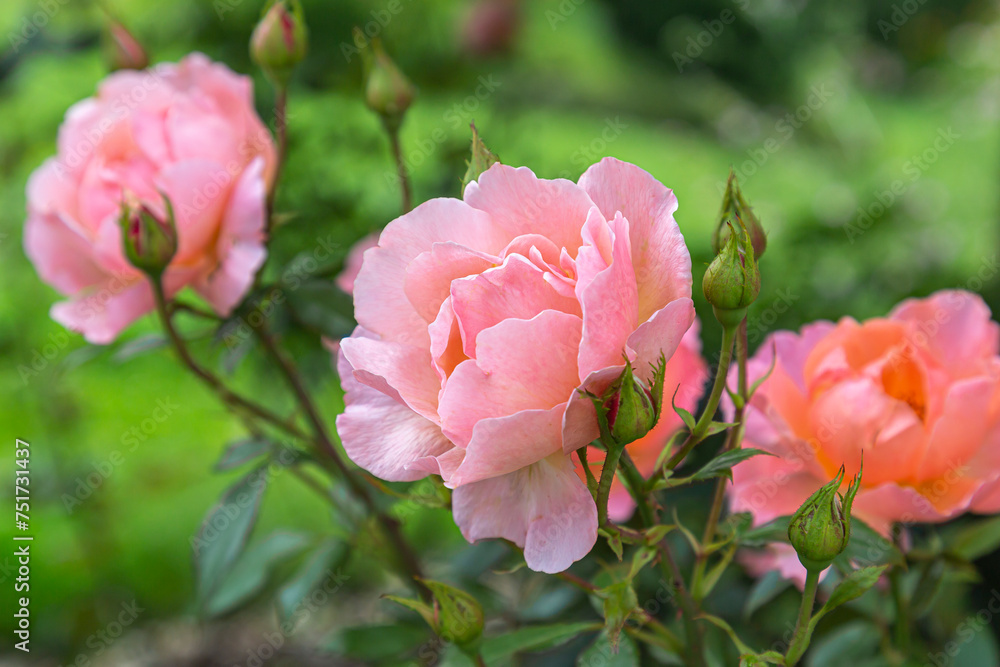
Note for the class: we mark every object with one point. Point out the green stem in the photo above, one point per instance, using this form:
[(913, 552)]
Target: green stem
[(733, 439), (697, 434), (392, 129), (901, 631), (635, 483), (607, 476), (800, 638), (281, 130)]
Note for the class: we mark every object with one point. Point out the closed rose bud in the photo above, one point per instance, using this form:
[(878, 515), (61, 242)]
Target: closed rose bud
[(149, 240), (821, 528), (124, 50), (387, 90), (482, 159), (632, 411), (454, 615), (734, 205), (280, 41), (732, 281)]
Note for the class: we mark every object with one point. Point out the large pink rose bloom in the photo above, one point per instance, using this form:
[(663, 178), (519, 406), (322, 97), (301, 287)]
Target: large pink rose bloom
[(186, 130), (918, 393), (479, 321)]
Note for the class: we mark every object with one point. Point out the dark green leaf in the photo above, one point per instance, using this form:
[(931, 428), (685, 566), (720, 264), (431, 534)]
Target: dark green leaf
[(761, 536), (737, 642), (250, 572), (928, 586), (240, 452), (312, 574), (852, 587), (321, 305), (602, 654), (723, 463), (845, 645), (533, 638), (867, 548), (225, 530), (373, 643), (619, 602), (765, 589), (976, 539)]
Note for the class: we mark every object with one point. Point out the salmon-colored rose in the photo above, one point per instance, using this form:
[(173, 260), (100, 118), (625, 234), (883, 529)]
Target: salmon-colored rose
[(917, 393), (188, 131)]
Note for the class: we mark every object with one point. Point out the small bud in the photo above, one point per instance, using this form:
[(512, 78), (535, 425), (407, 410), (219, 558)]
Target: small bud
[(455, 616), (123, 50), (149, 241), (482, 159), (631, 408), (734, 205), (387, 90), (280, 41), (821, 529), (732, 280)]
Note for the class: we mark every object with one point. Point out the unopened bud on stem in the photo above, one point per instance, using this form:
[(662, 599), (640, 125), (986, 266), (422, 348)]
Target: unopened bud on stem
[(149, 240), (280, 41), (821, 529), (732, 281)]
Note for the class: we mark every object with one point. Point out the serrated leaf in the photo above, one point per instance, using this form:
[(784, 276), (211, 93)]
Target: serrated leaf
[(313, 572), (240, 452), (533, 638), (250, 572), (602, 653), (225, 530), (724, 462), (852, 587), (765, 589)]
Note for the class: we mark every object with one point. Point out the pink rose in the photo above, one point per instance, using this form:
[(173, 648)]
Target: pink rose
[(685, 374), (188, 131), (479, 321), (918, 393)]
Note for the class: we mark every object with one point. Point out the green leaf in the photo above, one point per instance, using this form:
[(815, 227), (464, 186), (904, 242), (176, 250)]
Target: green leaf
[(250, 572), (240, 452), (602, 653), (765, 589), (643, 556), (321, 305), (138, 346), (533, 638), (867, 547), (717, 427), (375, 643), (854, 586), (620, 601), (225, 530), (614, 539), (976, 539), (766, 658), (740, 645), (930, 582), (723, 463), (847, 644), (310, 576), (713, 575), (761, 536), (459, 616)]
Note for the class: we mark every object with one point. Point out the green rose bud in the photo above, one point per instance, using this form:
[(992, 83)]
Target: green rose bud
[(454, 615), (387, 90), (280, 41), (481, 160), (735, 206), (821, 529), (631, 410), (149, 242), (732, 280)]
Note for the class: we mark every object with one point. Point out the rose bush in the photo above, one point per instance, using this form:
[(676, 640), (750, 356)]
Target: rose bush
[(916, 393), (479, 322), (185, 131)]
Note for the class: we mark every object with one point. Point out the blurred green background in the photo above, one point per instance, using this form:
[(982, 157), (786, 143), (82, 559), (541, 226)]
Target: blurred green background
[(865, 135)]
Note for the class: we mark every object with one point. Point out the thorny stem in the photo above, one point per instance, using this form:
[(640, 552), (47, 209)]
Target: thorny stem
[(733, 439), (697, 434)]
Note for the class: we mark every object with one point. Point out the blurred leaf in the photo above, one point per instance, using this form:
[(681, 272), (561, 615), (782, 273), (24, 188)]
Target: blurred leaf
[(761, 536), (533, 638), (372, 643), (138, 346), (725, 627), (249, 575), (980, 649), (846, 644), (312, 573), (240, 452), (852, 587), (602, 653), (225, 530), (321, 305), (867, 547), (765, 589), (619, 602), (238, 339), (975, 539), (928, 586)]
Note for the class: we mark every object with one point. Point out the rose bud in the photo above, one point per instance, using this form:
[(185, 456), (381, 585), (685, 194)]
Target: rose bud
[(387, 90), (123, 49), (821, 528), (632, 410), (150, 241), (280, 41), (732, 280), (734, 205), (482, 159), (454, 615)]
